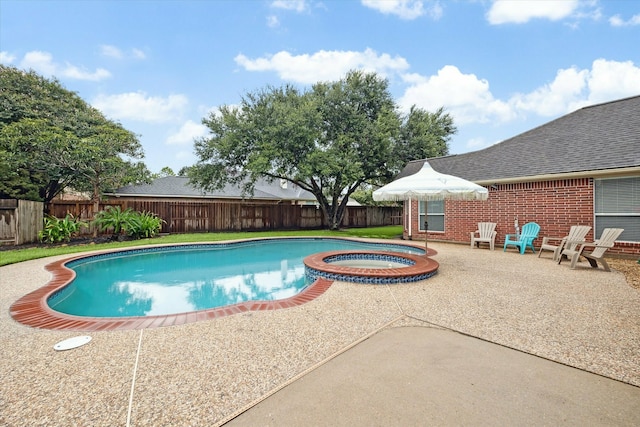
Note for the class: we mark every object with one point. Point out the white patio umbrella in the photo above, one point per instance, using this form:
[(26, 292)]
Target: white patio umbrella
[(427, 184)]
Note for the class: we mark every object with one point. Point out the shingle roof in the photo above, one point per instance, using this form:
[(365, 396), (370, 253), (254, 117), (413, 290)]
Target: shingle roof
[(178, 186), (595, 138)]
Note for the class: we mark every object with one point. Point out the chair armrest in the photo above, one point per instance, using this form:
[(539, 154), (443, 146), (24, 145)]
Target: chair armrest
[(598, 245), (546, 239), (593, 245), (574, 242)]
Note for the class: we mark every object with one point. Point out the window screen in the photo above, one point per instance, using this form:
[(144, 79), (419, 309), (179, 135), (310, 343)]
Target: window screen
[(434, 211), (617, 205)]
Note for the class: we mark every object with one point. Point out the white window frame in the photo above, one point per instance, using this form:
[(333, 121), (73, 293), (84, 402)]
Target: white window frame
[(621, 209), (433, 213)]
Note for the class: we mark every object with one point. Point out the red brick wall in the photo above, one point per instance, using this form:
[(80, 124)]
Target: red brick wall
[(554, 205)]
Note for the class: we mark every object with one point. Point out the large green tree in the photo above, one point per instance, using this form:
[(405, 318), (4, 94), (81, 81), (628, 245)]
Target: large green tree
[(328, 140), (51, 139), (424, 134)]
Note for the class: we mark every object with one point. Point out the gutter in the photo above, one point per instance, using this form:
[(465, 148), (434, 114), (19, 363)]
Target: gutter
[(605, 173)]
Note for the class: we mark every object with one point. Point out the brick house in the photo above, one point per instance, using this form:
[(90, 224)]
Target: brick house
[(580, 169)]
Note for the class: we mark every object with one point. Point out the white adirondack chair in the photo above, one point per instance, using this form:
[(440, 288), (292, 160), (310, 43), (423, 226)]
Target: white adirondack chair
[(576, 236), (486, 233), (600, 246)]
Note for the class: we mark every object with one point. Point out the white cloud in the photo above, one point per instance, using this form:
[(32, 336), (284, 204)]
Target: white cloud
[(73, 72), (6, 57), (323, 65), (138, 54), (435, 11), (469, 100), (189, 131), (509, 11), (273, 21), (111, 51), (295, 5), (612, 80), (117, 53), (617, 21), (206, 111), (43, 63), (139, 106), (573, 88), (555, 98), (405, 9), (466, 97)]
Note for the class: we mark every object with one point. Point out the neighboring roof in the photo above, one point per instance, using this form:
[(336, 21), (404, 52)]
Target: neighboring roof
[(178, 186), (601, 137)]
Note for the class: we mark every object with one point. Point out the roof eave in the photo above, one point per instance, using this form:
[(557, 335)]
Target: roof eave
[(604, 173)]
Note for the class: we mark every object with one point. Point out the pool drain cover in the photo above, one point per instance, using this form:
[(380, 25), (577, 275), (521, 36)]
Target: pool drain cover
[(70, 343)]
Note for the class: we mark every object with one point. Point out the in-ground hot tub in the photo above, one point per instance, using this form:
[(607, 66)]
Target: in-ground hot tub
[(369, 267)]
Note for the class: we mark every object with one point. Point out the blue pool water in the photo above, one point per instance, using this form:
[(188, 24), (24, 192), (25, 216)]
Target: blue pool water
[(178, 279)]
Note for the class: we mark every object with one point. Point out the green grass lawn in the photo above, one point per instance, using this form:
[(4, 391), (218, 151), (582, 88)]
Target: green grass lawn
[(19, 255)]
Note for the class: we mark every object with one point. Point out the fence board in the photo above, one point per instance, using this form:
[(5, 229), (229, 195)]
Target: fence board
[(20, 221), (8, 220), (30, 217)]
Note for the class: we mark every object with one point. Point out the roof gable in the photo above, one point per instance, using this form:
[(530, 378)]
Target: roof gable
[(595, 138)]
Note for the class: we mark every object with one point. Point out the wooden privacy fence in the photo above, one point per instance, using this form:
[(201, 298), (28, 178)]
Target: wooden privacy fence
[(20, 221), (211, 216)]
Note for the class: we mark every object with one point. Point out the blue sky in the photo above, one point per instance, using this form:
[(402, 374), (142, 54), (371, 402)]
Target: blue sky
[(499, 68)]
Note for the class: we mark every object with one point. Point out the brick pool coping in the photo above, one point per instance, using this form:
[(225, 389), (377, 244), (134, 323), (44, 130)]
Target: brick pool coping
[(32, 309)]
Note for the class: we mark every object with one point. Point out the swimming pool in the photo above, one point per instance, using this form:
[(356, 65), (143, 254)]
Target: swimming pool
[(169, 280), (33, 309)]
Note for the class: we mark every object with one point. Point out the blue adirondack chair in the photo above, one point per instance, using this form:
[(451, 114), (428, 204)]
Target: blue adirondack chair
[(525, 239)]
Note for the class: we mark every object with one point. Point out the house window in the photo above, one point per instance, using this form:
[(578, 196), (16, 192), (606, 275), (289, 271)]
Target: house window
[(617, 205), (432, 211)]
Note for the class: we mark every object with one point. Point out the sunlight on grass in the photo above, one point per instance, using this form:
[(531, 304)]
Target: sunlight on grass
[(19, 255)]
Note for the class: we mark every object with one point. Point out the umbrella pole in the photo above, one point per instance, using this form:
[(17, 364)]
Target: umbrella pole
[(426, 229)]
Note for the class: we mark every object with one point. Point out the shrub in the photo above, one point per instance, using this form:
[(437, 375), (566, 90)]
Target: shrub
[(114, 218), (137, 225), (144, 225), (59, 230)]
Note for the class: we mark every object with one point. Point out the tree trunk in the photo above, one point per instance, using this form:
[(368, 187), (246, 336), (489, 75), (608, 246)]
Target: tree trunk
[(336, 215)]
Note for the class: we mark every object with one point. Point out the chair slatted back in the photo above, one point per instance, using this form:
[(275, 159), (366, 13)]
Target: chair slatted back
[(576, 235), (529, 231), (606, 241), (485, 229)]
